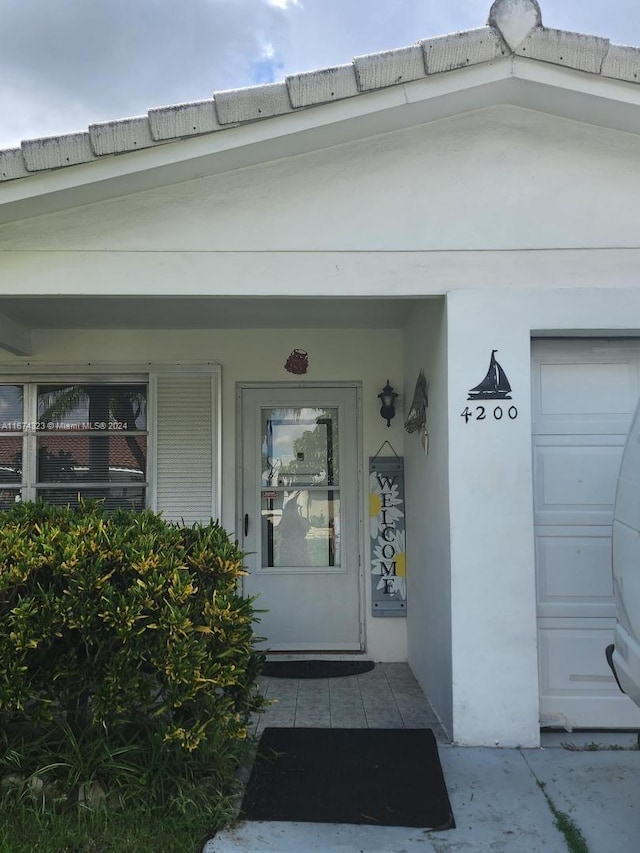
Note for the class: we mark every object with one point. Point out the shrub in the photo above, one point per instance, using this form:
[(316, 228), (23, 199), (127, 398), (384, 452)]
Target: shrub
[(114, 619)]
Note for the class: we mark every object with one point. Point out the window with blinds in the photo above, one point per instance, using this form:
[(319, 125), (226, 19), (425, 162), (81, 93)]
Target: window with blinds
[(131, 440), (67, 440)]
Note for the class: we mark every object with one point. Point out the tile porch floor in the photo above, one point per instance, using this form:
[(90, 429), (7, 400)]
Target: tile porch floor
[(386, 697)]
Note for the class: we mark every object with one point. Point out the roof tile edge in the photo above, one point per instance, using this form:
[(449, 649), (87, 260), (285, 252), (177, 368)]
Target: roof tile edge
[(235, 106), (572, 50), (459, 50), (183, 120), (116, 137), (55, 152), (622, 62), (389, 68), (311, 88), (12, 165)]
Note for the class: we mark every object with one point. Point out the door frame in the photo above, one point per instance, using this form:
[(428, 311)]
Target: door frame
[(289, 386)]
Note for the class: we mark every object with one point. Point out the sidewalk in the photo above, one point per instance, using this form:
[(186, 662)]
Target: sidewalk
[(498, 806)]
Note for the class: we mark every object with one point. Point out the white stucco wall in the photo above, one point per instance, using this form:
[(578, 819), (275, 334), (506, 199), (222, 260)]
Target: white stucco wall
[(369, 357), (427, 498)]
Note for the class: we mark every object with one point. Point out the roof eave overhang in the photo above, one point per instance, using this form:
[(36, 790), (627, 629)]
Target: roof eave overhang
[(515, 81)]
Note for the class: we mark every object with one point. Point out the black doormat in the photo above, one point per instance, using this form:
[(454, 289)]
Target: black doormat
[(315, 668), (383, 777)]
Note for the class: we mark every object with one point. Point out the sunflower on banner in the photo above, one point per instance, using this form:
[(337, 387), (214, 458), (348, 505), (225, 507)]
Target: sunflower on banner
[(388, 551)]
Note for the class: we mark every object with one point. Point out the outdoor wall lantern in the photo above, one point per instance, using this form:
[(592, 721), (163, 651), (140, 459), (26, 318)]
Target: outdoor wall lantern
[(388, 399)]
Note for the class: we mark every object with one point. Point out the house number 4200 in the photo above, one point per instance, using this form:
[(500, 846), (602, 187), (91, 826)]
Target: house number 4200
[(481, 413)]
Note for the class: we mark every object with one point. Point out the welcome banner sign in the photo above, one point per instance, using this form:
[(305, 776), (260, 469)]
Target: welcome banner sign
[(388, 559)]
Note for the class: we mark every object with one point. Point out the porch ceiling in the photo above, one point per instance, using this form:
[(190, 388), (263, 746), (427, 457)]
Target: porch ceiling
[(172, 312)]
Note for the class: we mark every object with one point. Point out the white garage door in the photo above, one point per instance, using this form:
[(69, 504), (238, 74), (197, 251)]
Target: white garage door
[(584, 395)]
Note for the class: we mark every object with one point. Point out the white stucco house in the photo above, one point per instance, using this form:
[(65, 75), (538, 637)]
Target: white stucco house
[(411, 210)]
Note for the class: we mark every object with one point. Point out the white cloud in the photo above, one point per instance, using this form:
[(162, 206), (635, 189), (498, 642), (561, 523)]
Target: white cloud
[(283, 4)]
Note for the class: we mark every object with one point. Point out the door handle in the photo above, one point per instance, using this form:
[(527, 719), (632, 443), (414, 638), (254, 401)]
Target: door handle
[(246, 523)]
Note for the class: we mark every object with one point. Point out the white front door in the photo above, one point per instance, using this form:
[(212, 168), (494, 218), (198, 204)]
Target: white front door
[(584, 395), (299, 515)]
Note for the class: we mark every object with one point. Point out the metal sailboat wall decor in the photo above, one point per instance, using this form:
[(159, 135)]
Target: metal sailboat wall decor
[(494, 386)]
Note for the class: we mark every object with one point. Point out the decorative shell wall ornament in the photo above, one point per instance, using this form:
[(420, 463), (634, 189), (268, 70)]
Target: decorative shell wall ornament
[(416, 420), (297, 362)]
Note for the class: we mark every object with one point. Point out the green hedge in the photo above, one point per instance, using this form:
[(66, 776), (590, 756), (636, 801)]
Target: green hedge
[(108, 619)]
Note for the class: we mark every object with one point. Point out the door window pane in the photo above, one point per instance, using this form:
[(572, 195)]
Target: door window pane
[(300, 516), (300, 447), (300, 528)]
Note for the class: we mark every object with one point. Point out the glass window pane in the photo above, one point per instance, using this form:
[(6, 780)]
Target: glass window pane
[(97, 457), (84, 406), (11, 402), (116, 498), (300, 528), (10, 459), (300, 447)]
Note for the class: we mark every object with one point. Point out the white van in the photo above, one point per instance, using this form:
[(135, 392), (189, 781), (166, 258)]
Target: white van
[(624, 654)]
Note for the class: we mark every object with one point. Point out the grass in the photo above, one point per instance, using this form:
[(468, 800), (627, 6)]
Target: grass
[(61, 792), (595, 746), (576, 842), (26, 829)]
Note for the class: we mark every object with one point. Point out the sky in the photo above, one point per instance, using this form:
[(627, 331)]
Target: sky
[(67, 63)]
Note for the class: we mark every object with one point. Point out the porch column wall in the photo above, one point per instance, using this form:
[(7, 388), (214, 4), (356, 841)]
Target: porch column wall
[(493, 597), (495, 665), (427, 501)]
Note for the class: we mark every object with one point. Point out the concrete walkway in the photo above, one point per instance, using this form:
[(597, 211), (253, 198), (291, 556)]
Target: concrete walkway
[(498, 805), (496, 794)]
